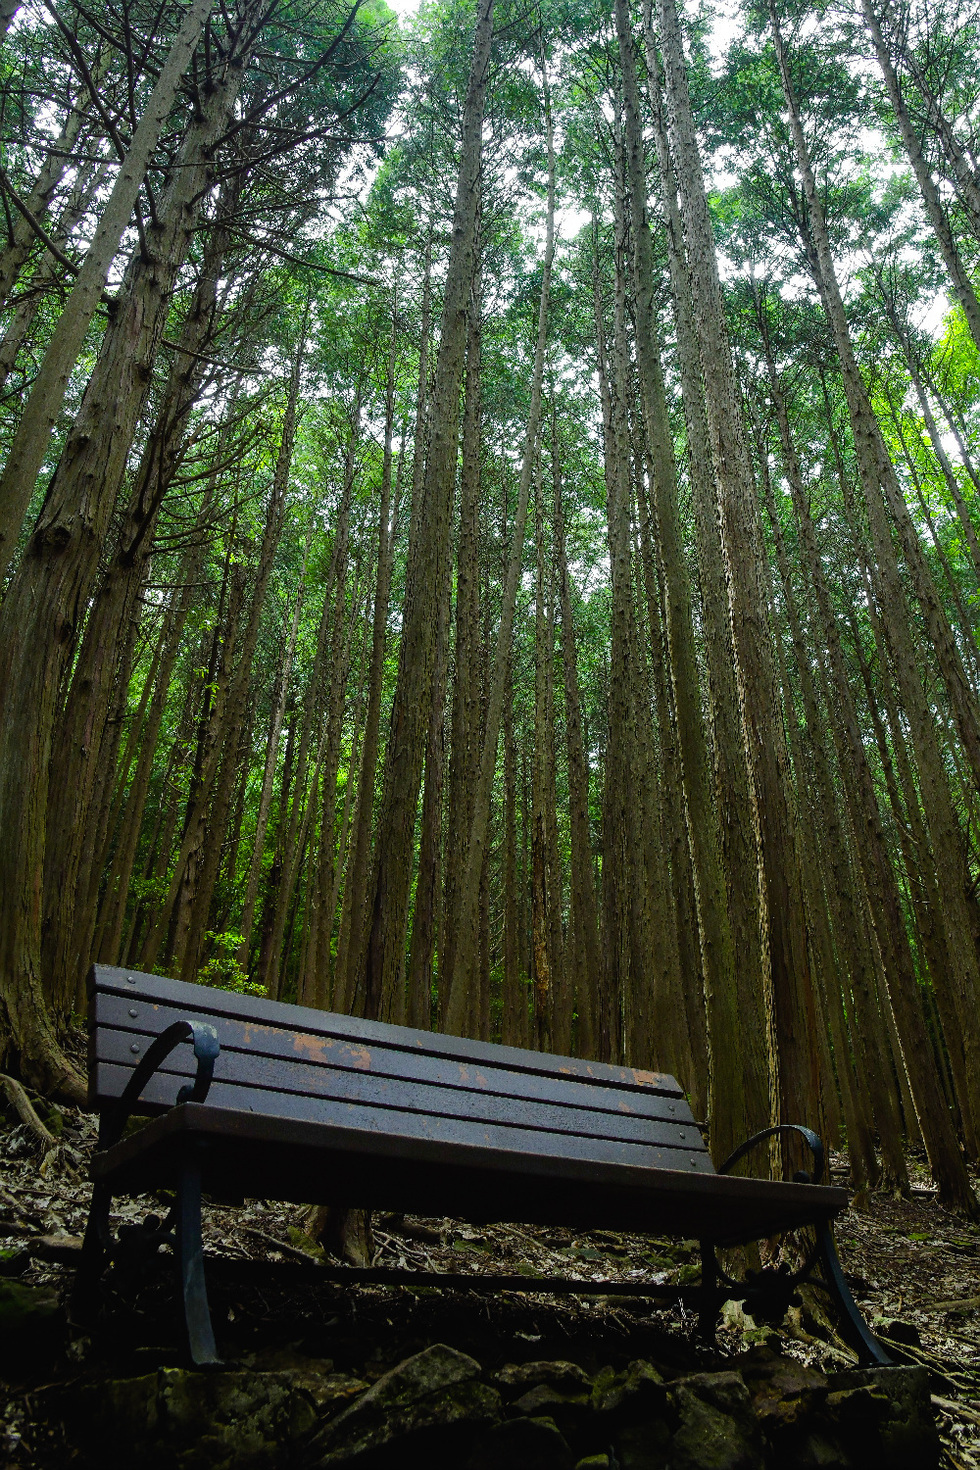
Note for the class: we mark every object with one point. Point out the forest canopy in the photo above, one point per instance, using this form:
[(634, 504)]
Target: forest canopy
[(489, 535)]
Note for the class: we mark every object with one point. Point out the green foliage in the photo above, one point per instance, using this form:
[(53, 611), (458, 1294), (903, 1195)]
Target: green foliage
[(222, 969)]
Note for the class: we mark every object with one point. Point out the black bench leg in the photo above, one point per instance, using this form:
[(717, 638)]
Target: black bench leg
[(854, 1329), (96, 1249), (190, 1264)]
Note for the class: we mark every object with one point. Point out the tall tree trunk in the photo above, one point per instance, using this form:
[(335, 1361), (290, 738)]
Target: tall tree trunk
[(816, 787), (46, 274), (332, 682), (542, 877), (734, 800), (414, 999), (798, 1084), (726, 1105), (878, 478), (23, 236), (388, 906), (30, 443), (279, 700), (884, 909), (938, 218), (464, 760), (584, 923), (85, 748), (113, 908), (351, 946), (459, 1001)]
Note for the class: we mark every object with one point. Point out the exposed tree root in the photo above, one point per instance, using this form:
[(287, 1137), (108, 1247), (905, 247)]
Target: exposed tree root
[(24, 1108)]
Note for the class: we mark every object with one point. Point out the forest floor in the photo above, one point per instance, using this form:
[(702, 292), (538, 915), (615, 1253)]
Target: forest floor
[(914, 1268)]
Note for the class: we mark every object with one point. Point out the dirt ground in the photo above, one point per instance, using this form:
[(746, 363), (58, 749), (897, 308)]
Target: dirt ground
[(913, 1266)]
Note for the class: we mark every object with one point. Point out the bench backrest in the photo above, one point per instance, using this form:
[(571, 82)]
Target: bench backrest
[(292, 1062)]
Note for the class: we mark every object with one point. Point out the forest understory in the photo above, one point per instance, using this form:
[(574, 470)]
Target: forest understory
[(913, 1266)]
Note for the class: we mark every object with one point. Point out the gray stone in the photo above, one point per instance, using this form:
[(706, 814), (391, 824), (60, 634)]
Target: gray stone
[(329, 1391), (783, 1392), (636, 1393), (568, 1409), (516, 1378), (726, 1392), (885, 1415), (522, 1444), (429, 1403), (716, 1430), (789, 1400), (195, 1421)]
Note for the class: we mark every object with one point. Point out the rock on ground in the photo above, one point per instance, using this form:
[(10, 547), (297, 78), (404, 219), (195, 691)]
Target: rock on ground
[(441, 1408)]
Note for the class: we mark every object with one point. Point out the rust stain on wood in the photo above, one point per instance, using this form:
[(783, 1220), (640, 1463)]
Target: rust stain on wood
[(317, 1048)]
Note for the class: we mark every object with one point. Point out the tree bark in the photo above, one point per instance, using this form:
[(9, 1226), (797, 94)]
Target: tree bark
[(388, 907), (798, 1084), (47, 394)]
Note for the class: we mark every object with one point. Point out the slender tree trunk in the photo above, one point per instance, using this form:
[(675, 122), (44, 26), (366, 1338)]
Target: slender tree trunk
[(542, 877), (113, 908), (733, 797), (428, 886), (23, 236), (792, 999), (815, 784), (279, 699), (47, 272), (584, 923), (878, 477), (938, 218), (321, 875), (964, 175), (388, 906), (47, 394), (514, 1019), (885, 912), (726, 1105), (459, 1000), (464, 761)]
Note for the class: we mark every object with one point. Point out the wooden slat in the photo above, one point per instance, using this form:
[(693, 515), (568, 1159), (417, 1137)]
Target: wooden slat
[(212, 1003), (117, 1017), (296, 1160), (253, 1073), (398, 1125)]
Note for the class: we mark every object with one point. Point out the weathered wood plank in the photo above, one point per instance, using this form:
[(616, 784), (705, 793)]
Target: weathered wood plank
[(208, 1002), (264, 1075), (247, 1103), (274, 1057)]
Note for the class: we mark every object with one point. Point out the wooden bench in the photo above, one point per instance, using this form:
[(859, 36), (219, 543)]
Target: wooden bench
[(254, 1097)]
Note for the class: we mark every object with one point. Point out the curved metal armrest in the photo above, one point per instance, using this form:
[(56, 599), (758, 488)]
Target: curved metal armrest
[(206, 1049), (807, 1134)]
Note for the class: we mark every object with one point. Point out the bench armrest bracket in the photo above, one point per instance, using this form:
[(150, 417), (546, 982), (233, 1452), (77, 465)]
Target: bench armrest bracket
[(206, 1049), (807, 1134)]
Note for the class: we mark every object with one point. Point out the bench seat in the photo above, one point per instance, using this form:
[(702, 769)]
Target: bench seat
[(316, 1163)]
